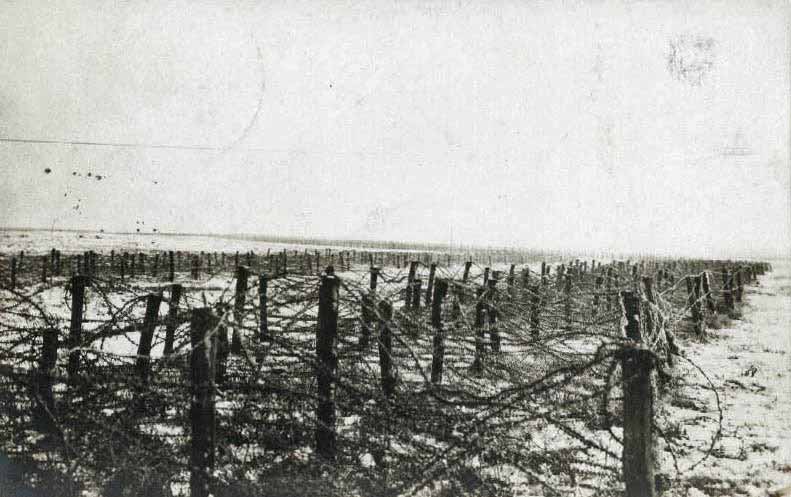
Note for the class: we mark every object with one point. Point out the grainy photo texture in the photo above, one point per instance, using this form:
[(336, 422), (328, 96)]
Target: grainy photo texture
[(395, 248)]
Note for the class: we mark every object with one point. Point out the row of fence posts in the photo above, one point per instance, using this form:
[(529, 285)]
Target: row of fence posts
[(207, 356)]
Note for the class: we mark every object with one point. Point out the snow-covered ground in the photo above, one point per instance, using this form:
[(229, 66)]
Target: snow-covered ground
[(749, 363)]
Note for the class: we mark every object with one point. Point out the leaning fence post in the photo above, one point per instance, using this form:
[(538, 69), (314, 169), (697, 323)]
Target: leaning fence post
[(430, 285), (78, 284), (172, 319), (242, 273), (638, 406), (202, 412), (143, 363), (438, 357), (327, 363)]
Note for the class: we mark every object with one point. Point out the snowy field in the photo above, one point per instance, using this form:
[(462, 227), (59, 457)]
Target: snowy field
[(749, 364)]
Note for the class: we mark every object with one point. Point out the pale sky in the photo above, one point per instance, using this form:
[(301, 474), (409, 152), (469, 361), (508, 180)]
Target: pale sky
[(598, 125)]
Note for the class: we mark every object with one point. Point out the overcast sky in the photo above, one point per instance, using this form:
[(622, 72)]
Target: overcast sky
[(598, 125)]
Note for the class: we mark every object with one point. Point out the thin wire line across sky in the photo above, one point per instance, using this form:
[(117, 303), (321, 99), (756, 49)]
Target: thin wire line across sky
[(129, 145)]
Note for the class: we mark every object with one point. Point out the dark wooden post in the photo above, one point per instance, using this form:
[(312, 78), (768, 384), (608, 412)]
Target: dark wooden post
[(479, 324), (327, 363), (486, 276), (58, 268), (44, 263), (242, 273), (535, 309), (693, 302), (202, 412), (727, 289), (410, 283), (172, 319), (567, 302), (608, 287), (78, 284), (222, 347), (13, 272), (44, 403), (510, 280), (417, 284), (466, 275), (491, 310), (707, 292), (171, 267), (386, 349), (638, 406), (438, 358), (263, 330), (430, 286), (739, 285), (143, 363), (596, 290)]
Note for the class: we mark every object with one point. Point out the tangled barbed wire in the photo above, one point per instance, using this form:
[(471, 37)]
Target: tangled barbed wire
[(526, 399)]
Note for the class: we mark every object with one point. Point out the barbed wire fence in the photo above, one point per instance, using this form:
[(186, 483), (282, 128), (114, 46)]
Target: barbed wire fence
[(324, 374)]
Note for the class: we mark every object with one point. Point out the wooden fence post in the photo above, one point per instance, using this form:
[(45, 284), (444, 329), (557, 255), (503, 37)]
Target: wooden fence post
[(478, 326), (44, 403), (638, 406), (13, 273), (172, 319), (202, 412), (430, 286), (707, 292), (535, 309), (410, 283), (143, 363), (739, 285), (242, 272), (694, 303), (327, 364), (438, 356), (78, 284), (567, 302), (222, 347), (263, 326), (386, 349), (466, 275), (491, 310), (727, 289), (596, 290), (417, 284)]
